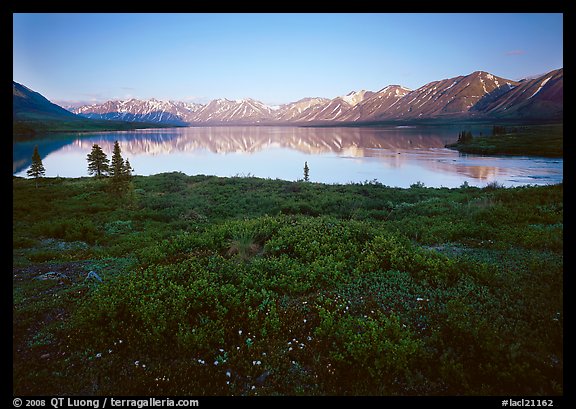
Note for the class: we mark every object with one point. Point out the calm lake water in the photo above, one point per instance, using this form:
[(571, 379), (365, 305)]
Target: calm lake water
[(393, 156)]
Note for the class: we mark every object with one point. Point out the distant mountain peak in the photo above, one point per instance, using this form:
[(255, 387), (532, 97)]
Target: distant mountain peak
[(355, 97)]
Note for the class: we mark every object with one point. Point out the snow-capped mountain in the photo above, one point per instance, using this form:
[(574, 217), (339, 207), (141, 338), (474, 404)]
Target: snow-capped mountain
[(135, 110), (538, 97), (475, 95), (355, 97), (335, 109), (376, 103), (294, 110), (331, 111), (448, 97), (224, 110)]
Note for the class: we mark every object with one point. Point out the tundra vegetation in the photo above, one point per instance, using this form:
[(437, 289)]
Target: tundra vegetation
[(203, 285)]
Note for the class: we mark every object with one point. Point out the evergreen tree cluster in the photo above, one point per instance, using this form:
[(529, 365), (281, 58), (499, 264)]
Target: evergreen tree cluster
[(502, 130), (118, 169), (465, 137), (99, 165)]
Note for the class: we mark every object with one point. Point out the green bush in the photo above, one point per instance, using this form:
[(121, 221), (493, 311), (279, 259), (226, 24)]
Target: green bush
[(368, 353), (70, 230)]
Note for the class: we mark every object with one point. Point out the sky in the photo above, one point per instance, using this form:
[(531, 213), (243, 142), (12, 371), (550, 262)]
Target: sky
[(75, 59)]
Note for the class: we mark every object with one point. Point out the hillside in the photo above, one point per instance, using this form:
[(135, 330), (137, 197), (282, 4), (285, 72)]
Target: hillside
[(32, 114), (541, 97)]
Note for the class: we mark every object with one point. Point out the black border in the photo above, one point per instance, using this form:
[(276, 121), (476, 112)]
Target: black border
[(405, 6)]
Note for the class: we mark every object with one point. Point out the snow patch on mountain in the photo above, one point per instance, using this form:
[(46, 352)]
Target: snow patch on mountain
[(354, 97), (540, 87)]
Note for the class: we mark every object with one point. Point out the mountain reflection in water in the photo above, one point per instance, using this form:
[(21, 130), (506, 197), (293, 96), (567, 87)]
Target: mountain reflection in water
[(245, 139), (394, 156)]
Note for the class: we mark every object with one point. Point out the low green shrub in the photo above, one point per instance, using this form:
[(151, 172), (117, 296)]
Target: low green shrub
[(291, 288)]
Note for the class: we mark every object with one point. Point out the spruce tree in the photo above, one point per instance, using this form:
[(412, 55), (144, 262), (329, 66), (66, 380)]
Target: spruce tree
[(120, 171), (127, 171), (117, 164), (306, 172), (127, 185), (98, 162), (36, 168)]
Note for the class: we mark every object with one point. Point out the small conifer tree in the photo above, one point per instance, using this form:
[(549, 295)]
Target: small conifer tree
[(117, 163), (127, 171), (98, 162), (120, 172), (37, 169)]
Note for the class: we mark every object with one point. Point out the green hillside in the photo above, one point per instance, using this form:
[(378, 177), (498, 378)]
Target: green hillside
[(33, 114)]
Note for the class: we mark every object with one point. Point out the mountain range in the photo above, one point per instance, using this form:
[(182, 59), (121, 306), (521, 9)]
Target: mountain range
[(477, 95)]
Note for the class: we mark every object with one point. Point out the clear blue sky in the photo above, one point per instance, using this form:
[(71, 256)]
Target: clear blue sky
[(274, 58)]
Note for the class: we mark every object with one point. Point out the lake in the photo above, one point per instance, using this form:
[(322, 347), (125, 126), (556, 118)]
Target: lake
[(394, 156)]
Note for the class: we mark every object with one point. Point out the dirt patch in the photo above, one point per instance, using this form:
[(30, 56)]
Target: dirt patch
[(69, 272), (449, 249), (44, 295)]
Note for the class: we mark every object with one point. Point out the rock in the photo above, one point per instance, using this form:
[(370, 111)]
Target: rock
[(52, 275), (92, 274), (262, 378)]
